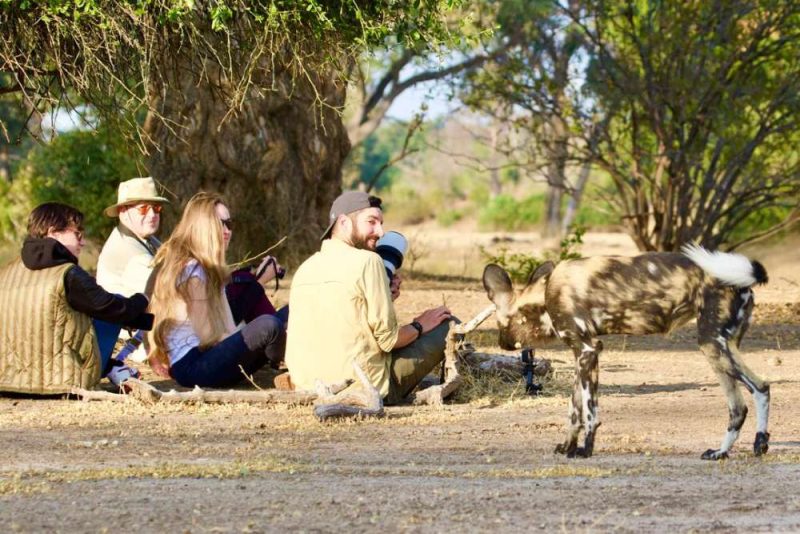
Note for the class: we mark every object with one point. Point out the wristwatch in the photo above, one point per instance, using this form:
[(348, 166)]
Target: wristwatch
[(417, 327)]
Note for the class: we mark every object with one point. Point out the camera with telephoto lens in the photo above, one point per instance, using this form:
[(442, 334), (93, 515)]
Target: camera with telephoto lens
[(280, 272), (391, 248)]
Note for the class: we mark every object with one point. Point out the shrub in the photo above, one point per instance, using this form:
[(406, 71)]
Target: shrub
[(79, 168), (15, 204), (405, 205), (449, 217), (759, 221), (596, 213), (521, 266), (503, 212)]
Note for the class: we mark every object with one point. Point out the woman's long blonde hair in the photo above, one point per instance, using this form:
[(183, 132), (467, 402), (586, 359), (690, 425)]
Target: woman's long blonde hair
[(197, 236)]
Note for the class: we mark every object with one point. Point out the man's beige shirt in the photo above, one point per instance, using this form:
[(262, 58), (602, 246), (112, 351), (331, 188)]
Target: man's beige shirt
[(125, 264), (341, 311)]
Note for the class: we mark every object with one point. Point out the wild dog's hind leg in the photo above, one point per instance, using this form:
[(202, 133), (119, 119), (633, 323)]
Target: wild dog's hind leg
[(721, 325), (583, 411), (741, 311)]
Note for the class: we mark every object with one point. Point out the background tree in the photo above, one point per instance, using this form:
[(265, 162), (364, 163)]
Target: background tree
[(17, 118), (373, 163), (702, 104), (384, 74), (81, 168), (242, 97), (535, 86)]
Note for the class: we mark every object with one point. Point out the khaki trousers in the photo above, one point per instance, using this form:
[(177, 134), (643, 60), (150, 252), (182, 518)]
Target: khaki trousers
[(411, 363)]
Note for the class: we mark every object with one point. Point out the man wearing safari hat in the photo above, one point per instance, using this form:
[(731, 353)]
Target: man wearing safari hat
[(125, 262), (343, 311)]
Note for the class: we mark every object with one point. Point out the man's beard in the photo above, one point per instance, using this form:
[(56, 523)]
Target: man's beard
[(363, 242)]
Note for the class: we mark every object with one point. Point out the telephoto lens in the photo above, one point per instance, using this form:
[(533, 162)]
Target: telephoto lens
[(391, 248)]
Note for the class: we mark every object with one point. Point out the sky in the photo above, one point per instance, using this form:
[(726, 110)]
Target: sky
[(409, 102)]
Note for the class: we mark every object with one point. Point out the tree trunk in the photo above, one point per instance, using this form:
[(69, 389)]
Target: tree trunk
[(574, 203), (552, 217), (495, 185), (277, 161), (556, 176), (5, 164)]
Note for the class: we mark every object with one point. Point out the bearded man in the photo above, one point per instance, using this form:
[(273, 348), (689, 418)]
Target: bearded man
[(342, 306)]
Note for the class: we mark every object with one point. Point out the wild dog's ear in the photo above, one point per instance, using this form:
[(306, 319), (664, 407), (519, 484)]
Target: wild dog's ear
[(541, 271), (498, 286)]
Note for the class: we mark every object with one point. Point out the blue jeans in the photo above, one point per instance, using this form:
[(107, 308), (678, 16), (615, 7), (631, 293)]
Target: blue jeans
[(222, 364), (283, 315), (107, 334)]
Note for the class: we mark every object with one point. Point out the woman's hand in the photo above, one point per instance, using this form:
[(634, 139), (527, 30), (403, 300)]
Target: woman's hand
[(267, 270), (158, 367)]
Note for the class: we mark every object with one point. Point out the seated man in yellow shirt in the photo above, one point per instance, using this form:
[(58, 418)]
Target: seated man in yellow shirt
[(343, 311)]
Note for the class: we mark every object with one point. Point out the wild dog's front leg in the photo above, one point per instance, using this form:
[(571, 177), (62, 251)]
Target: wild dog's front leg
[(760, 391), (591, 421), (570, 445), (583, 404)]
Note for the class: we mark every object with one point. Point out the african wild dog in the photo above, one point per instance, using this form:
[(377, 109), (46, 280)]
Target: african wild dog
[(578, 300)]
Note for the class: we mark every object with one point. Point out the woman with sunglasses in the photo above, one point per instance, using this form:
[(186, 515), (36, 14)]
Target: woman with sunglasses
[(194, 335)]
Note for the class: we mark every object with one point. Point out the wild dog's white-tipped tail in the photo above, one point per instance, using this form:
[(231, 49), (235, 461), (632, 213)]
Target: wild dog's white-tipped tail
[(727, 267)]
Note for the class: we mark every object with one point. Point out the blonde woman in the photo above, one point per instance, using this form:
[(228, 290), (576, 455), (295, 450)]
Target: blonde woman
[(194, 333)]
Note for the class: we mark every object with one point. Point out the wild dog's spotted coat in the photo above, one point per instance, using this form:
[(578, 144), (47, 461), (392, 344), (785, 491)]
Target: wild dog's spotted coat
[(579, 300)]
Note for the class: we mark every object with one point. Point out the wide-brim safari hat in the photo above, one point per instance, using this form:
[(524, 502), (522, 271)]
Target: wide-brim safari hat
[(134, 191)]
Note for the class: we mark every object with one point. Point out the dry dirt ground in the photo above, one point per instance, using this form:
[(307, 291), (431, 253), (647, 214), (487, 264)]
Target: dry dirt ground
[(483, 462)]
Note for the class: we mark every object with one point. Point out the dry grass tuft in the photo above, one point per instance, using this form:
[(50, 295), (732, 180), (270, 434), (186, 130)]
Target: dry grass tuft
[(503, 386)]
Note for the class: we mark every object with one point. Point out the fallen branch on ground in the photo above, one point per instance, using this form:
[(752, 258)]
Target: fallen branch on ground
[(96, 395), (475, 322), (144, 392), (435, 395), (500, 362), (366, 402)]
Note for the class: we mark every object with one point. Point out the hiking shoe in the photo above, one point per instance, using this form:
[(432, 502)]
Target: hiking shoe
[(120, 372)]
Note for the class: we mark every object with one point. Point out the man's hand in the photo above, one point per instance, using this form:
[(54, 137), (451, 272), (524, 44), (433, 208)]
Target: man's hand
[(430, 319), (395, 286)]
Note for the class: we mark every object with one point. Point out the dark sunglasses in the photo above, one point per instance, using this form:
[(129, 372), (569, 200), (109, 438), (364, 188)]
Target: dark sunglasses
[(143, 208), (227, 223)]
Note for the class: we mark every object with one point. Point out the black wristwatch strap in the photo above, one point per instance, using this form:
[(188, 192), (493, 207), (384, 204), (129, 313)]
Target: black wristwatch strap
[(417, 327)]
